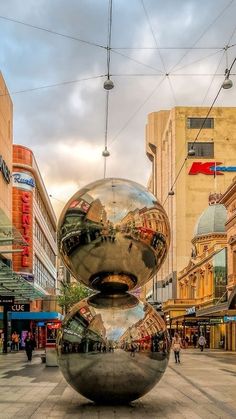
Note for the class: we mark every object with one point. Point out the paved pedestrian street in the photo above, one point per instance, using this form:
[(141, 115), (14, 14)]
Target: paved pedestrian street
[(202, 386)]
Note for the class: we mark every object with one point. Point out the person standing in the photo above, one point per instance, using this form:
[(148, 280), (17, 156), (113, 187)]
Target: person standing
[(194, 340), (201, 342), (176, 346), (29, 345)]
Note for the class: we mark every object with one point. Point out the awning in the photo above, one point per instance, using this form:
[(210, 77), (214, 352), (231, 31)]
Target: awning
[(9, 235), (35, 315), (14, 285), (213, 310)]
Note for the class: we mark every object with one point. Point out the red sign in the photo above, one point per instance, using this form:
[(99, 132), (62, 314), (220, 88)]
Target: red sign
[(54, 325), (205, 168), (26, 225)]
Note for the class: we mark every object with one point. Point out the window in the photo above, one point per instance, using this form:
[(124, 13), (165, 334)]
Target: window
[(202, 149), (195, 123)]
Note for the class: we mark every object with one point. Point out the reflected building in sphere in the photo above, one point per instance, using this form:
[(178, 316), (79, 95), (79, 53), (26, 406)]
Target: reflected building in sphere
[(113, 236)]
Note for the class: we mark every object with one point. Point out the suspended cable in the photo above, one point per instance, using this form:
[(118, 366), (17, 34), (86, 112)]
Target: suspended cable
[(136, 111), (47, 86), (171, 192), (108, 85), (204, 32), (136, 61), (213, 77), (52, 32)]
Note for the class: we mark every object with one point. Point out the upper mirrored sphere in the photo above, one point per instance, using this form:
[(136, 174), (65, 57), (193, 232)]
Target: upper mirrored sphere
[(113, 235)]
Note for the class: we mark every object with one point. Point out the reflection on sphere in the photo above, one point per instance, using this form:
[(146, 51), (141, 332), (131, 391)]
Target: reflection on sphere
[(113, 349), (113, 235)]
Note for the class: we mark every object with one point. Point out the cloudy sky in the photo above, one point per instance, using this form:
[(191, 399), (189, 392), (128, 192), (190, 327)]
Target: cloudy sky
[(164, 54)]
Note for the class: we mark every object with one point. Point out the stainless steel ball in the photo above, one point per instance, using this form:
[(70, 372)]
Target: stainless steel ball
[(113, 349), (113, 234)]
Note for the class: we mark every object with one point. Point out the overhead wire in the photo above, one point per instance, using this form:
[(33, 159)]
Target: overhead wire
[(225, 53), (204, 32), (159, 53), (47, 86), (199, 131), (108, 48), (137, 110), (74, 38)]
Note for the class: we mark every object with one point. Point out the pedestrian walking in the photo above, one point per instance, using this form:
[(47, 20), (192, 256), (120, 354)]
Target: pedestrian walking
[(201, 342), (176, 346), (29, 345), (194, 340)]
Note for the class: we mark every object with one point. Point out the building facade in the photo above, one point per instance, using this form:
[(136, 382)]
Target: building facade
[(170, 135), (5, 169), (34, 217)]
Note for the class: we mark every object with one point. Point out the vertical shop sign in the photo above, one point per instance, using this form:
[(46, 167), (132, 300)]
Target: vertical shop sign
[(26, 225)]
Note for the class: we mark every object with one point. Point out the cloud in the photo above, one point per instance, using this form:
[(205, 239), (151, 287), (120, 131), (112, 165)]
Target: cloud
[(65, 125)]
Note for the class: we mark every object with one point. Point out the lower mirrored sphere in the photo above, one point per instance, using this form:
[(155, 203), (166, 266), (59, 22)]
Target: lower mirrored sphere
[(113, 349)]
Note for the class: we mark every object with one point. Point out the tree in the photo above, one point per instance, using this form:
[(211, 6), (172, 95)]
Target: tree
[(71, 294)]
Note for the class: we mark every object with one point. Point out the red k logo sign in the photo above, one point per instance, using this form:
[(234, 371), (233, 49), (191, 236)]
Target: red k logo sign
[(208, 168)]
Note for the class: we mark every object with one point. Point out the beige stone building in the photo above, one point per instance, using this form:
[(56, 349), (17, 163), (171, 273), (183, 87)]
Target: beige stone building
[(170, 135)]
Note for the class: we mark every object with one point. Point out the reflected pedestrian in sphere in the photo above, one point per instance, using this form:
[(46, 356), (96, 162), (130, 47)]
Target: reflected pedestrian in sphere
[(29, 345), (176, 346)]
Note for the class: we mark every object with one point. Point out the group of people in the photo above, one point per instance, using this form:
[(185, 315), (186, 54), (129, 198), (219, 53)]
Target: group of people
[(178, 344)]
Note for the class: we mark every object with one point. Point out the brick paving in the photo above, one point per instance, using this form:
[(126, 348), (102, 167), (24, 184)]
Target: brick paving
[(202, 386)]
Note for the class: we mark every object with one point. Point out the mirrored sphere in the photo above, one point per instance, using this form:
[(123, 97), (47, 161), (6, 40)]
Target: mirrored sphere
[(113, 235), (113, 349)]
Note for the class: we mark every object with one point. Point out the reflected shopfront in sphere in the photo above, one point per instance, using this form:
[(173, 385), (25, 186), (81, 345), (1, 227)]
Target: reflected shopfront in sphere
[(113, 349)]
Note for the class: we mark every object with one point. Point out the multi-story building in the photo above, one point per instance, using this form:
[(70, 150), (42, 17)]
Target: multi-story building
[(194, 170), (5, 169), (34, 217)]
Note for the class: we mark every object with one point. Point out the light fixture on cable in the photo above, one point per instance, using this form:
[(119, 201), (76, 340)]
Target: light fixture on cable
[(191, 151), (227, 83), (105, 153), (108, 84), (171, 192)]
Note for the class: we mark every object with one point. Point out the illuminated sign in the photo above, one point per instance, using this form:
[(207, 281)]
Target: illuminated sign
[(210, 168), (5, 171), (20, 307), (191, 310), (23, 181), (229, 319), (26, 224)]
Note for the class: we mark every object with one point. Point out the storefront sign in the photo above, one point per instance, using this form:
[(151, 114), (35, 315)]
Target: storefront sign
[(6, 300), (26, 224), (23, 181), (216, 320), (210, 168), (20, 307), (4, 170), (191, 310), (229, 319)]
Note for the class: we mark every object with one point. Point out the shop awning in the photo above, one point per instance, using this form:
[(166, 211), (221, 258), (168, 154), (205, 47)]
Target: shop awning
[(9, 235), (13, 284), (35, 315), (217, 309)]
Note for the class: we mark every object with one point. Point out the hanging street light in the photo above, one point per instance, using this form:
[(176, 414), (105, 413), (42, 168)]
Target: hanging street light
[(191, 152), (105, 153), (108, 84), (227, 83)]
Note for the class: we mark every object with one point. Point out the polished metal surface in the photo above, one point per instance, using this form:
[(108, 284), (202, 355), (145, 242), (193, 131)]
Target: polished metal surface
[(113, 349), (113, 235)]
